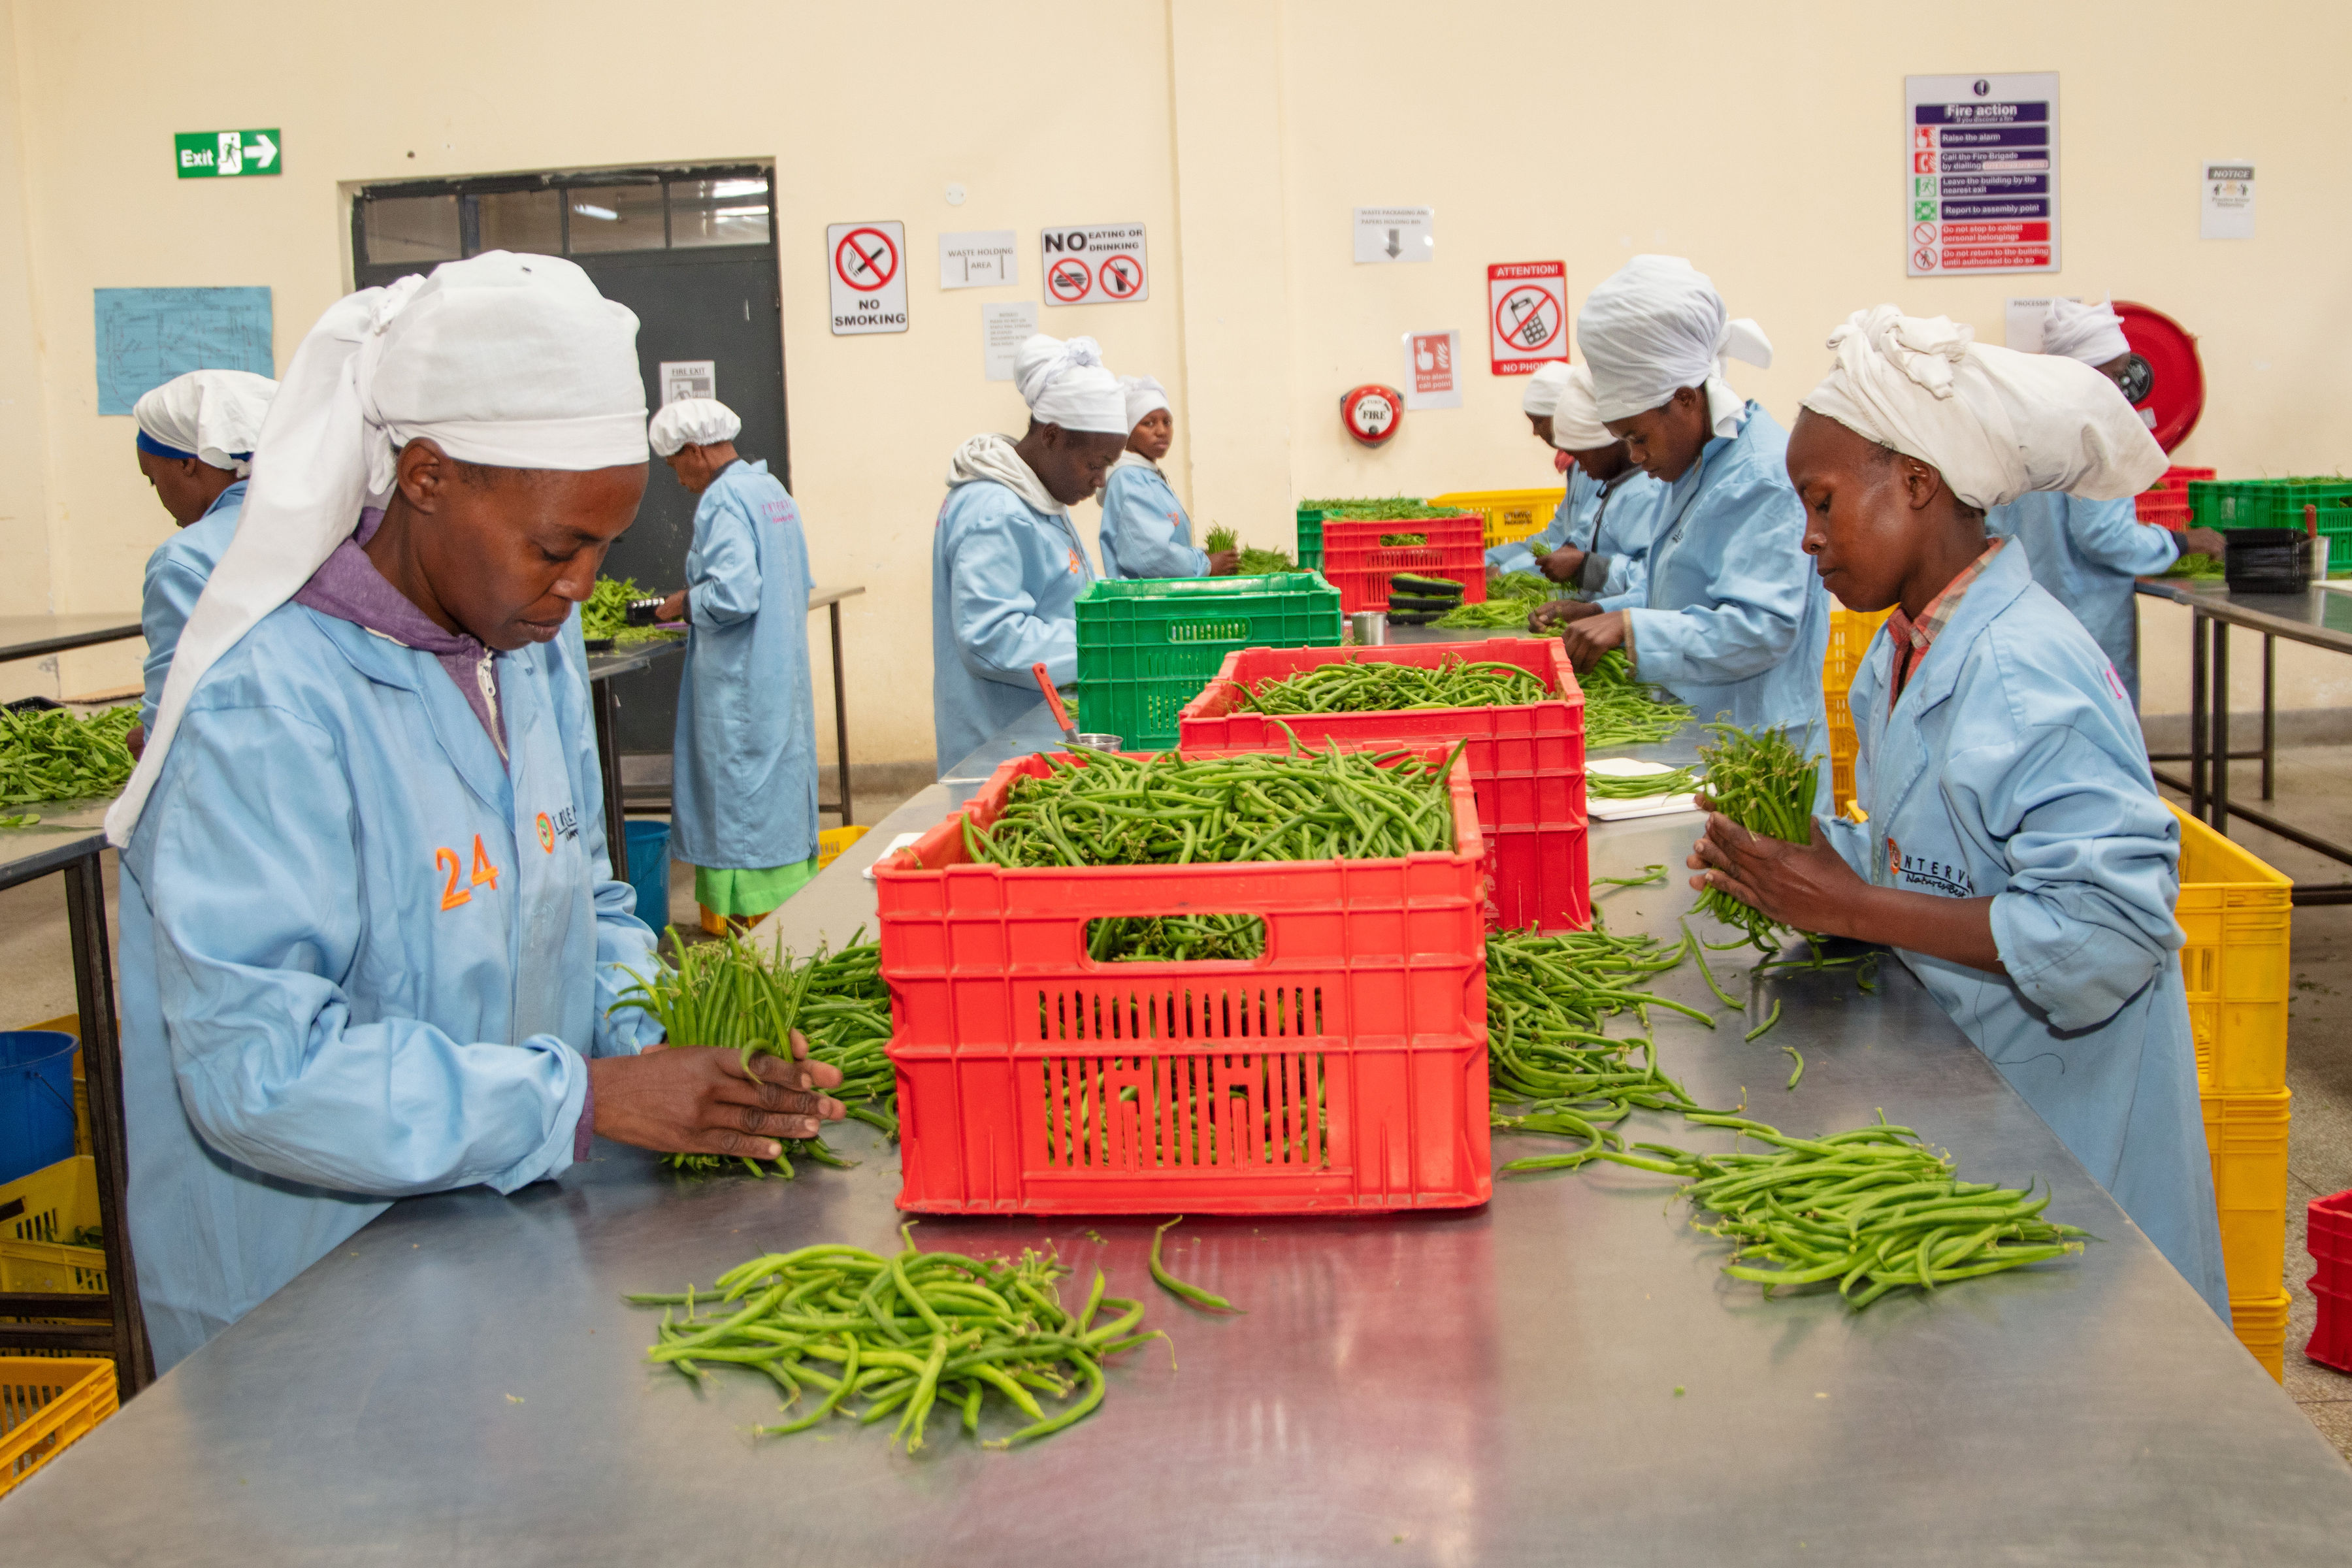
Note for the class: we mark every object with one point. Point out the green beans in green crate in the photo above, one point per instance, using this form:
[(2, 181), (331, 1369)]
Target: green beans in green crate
[(49, 753), (1378, 686)]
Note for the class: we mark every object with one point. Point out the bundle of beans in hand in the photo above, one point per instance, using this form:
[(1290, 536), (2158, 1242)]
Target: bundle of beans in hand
[(904, 1333), (1762, 781), (47, 754), (1379, 686), (1098, 808)]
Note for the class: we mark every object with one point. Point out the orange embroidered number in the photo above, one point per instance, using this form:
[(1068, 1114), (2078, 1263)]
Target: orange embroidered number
[(452, 895), (483, 870)]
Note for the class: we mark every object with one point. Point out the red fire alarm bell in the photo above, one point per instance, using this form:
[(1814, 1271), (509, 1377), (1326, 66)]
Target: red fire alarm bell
[(1372, 412)]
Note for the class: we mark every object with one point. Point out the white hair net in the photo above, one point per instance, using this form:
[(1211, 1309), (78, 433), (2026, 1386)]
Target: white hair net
[(1144, 396), (1993, 422), (513, 362), (212, 416), (1542, 392), (1576, 420), (692, 422), (1065, 383), (1656, 326), (2092, 334)]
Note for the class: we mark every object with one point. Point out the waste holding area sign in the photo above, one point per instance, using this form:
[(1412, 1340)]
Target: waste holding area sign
[(1981, 182), (1094, 264), (1433, 370), (221, 154), (1527, 315), (865, 263)]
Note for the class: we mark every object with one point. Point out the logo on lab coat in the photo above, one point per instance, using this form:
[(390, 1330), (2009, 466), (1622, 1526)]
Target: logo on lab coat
[(1926, 876), (1075, 570), (565, 823), (547, 833)]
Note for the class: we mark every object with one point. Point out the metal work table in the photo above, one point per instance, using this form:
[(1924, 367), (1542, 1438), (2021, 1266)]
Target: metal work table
[(1560, 1375), (2317, 617), (70, 840), (31, 637)]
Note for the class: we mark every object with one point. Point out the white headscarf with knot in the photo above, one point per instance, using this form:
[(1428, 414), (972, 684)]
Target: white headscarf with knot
[(1656, 326), (692, 421), (1995, 423), (2092, 334), (1144, 396), (511, 362), (1065, 383), (1576, 420), (1542, 393), (212, 416)]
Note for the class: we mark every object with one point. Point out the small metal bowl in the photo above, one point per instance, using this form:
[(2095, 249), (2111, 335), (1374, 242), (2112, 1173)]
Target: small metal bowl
[(1095, 743)]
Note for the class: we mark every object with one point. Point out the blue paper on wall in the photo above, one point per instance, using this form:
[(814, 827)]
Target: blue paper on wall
[(147, 336)]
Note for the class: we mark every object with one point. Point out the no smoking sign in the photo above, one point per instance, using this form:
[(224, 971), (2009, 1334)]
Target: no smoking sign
[(1526, 303), (865, 267)]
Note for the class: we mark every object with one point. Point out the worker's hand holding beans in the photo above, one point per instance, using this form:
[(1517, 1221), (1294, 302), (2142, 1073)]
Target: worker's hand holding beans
[(1593, 635), (1556, 612), (1806, 887), (695, 1100), (1563, 566), (1224, 562)]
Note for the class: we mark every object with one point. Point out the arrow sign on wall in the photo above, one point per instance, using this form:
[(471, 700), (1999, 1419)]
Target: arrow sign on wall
[(225, 155)]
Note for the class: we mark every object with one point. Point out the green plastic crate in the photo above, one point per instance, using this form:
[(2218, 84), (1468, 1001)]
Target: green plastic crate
[(2268, 503), (1311, 538), (1148, 645)]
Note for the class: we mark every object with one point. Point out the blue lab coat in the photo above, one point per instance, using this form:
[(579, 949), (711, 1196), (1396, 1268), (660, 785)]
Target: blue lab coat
[(1737, 621), (1569, 522), (1616, 521), (2086, 554), (1004, 579), (743, 769), (176, 575), (370, 967), (1145, 533), (2013, 768)]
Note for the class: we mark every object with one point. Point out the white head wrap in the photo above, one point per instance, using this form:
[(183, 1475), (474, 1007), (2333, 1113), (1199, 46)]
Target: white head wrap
[(1065, 383), (212, 416), (1656, 326), (1993, 422), (692, 421), (1576, 420), (1543, 390), (2092, 334), (1144, 396), (513, 362)]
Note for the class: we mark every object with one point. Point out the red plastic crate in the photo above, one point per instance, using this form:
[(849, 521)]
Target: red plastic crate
[(2177, 479), (1345, 1067), (1526, 762), (1355, 563), (2328, 1236), (2164, 508)]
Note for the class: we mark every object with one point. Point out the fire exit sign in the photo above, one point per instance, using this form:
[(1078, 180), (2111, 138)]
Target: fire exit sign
[(219, 154)]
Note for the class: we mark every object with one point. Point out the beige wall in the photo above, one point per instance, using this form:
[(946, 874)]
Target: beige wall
[(1764, 143)]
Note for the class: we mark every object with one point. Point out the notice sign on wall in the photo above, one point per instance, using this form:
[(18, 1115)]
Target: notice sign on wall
[(1094, 264), (1003, 330), (1527, 315), (688, 378), (2228, 197), (1433, 370), (865, 263), (979, 259), (1980, 189)]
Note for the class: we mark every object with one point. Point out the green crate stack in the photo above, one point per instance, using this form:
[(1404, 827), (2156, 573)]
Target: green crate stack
[(2228, 504), (1310, 537), (1148, 645)]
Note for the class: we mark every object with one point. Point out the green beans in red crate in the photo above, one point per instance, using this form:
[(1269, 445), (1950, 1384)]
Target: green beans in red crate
[(1381, 688)]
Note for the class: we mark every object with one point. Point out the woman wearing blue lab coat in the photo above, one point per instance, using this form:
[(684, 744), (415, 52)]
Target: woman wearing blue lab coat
[(197, 436), (744, 771), (2016, 855), (1145, 530), (384, 961), (1598, 546), (1007, 563)]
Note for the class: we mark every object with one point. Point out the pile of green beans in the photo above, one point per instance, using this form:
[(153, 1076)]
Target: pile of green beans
[(606, 613), (1175, 938), (729, 995), (1509, 600), (1762, 782), (1381, 509), (1372, 687), (1098, 808), (1620, 710), (1257, 563), (903, 1333), (1640, 786), (1402, 541), (1872, 1209), (47, 754)]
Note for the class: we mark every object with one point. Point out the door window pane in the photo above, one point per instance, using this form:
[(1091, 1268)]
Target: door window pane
[(409, 228), (522, 220), (615, 217), (719, 212)]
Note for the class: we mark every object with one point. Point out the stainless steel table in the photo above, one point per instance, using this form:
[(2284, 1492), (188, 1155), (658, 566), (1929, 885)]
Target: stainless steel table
[(1560, 1376), (2317, 617), (31, 637)]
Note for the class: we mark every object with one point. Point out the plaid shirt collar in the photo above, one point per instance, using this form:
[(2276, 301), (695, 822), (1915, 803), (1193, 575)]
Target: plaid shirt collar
[(1912, 639)]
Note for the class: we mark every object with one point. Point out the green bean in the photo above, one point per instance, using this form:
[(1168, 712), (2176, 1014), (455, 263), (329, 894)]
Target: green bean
[(1651, 877), (1358, 686), (1620, 710), (50, 753), (1769, 1019), (1799, 1057), (1640, 786), (1207, 1300), (1760, 781)]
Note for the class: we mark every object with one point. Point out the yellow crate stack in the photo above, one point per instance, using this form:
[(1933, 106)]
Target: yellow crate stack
[(1510, 514), (47, 1403), (1850, 635), (2234, 915)]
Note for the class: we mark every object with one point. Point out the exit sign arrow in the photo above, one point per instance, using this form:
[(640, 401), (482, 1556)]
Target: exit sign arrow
[(225, 155)]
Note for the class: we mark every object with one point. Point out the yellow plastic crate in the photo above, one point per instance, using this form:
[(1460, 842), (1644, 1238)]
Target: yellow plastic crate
[(2235, 916), (2261, 1327), (48, 1403), (1510, 514), (2245, 1137), (832, 841), (39, 1216), (1850, 635)]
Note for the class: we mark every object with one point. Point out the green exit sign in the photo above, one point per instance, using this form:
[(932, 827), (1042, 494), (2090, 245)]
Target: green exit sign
[(220, 155)]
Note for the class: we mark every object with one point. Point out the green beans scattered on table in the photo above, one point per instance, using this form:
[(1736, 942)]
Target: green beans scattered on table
[(1369, 685), (1620, 710), (1208, 1300), (50, 753), (1640, 786), (1762, 782), (915, 1333)]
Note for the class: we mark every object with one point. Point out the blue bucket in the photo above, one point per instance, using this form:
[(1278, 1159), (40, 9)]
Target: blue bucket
[(36, 1100), (649, 870)]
